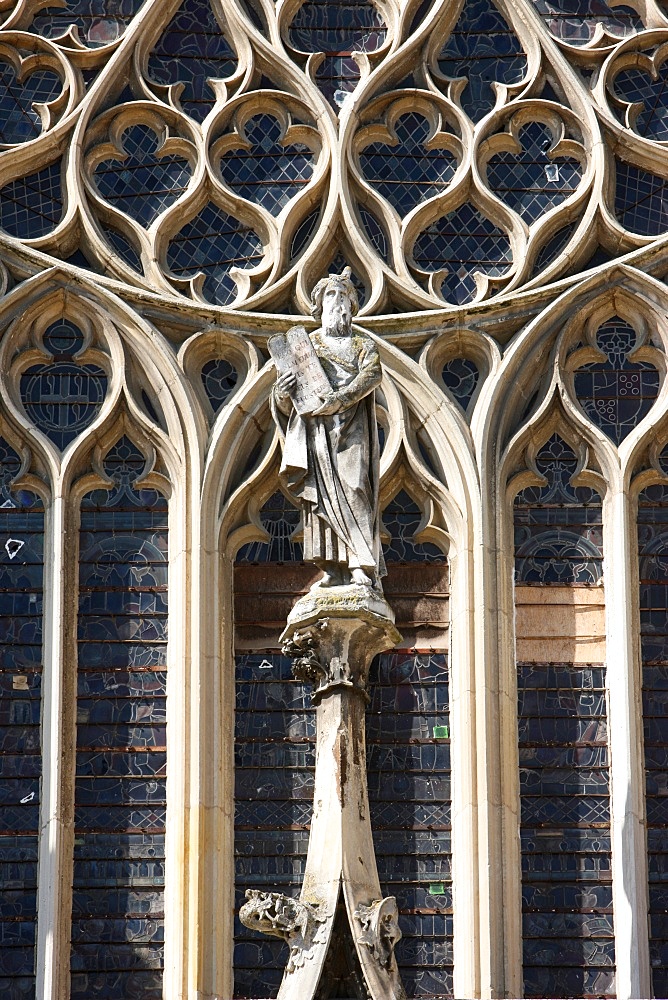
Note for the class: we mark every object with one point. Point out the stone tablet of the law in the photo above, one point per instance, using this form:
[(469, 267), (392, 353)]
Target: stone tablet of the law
[(294, 352)]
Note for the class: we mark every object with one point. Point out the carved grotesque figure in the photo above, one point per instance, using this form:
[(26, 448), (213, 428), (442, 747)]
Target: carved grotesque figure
[(330, 456)]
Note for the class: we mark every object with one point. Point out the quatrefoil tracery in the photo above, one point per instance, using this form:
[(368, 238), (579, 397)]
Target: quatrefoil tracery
[(375, 138)]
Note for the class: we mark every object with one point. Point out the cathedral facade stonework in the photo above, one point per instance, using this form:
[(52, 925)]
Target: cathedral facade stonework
[(371, 700)]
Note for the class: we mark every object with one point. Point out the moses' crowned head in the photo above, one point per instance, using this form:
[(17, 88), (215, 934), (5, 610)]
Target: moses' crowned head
[(334, 302)]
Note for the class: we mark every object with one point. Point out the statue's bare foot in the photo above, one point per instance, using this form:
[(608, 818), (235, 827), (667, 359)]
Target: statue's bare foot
[(360, 578)]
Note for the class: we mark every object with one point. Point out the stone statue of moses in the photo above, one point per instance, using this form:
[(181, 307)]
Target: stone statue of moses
[(330, 456)]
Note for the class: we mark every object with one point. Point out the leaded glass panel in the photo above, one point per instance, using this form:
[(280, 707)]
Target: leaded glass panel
[(267, 171), (192, 51), (219, 378), (653, 566), (63, 396), (461, 377), (120, 803), (337, 29), (98, 22), (558, 526), (21, 583), (617, 393), (20, 120), (575, 21), (408, 760), (483, 50), (408, 172), (32, 206)]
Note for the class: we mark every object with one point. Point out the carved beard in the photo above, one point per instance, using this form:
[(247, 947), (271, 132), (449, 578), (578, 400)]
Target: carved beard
[(337, 327)]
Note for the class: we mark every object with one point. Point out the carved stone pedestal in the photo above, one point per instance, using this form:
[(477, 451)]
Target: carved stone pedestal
[(332, 635)]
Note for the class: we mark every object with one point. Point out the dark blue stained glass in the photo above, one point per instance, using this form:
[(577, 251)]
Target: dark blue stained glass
[(269, 172), (32, 206), (565, 831), (211, 244), (464, 242), (280, 519), (636, 87), (575, 21), (549, 252), (375, 232), (641, 204), (402, 518), (99, 22), (120, 796), (558, 526), (145, 182), (219, 378), (483, 49), (273, 793), (408, 172), (21, 582), (303, 233), (19, 118), (337, 29), (124, 248), (461, 377), (63, 396), (192, 51), (653, 567), (532, 182), (409, 796), (617, 393)]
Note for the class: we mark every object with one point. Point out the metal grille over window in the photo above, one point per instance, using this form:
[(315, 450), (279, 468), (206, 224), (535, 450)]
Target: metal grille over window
[(617, 393), (21, 581), (653, 564), (120, 805), (63, 396), (274, 747), (563, 739)]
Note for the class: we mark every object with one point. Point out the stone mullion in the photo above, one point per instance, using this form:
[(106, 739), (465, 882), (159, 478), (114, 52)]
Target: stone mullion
[(59, 699), (625, 724), (463, 771)]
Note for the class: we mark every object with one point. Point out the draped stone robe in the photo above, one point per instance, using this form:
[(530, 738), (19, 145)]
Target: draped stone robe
[(331, 463)]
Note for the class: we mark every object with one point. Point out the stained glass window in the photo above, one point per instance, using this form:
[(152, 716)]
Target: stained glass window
[(192, 51), (531, 181), (558, 526), (269, 172), (408, 172), (564, 778), (337, 29), (219, 378), (211, 244), (461, 378), (19, 118), (482, 49), (408, 760), (32, 206), (21, 583), (636, 87), (98, 23), (144, 182), (402, 518), (275, 763), (575, 21), (653, 564), (63, 396), (274, 749), (641, 204), (464, 242), (617, 393), (120, 803)]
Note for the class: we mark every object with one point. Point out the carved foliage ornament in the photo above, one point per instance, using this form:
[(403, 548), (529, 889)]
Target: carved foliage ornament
[(293, 139)]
